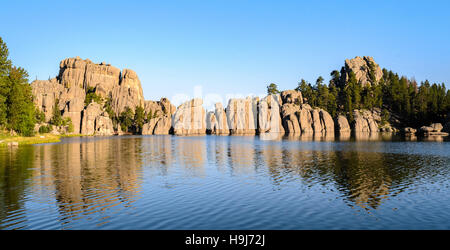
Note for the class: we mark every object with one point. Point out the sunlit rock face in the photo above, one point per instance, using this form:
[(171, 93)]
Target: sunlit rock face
[(305, 119), (364, 121), (326, 121), (242, 115), (45, 93), (128, 93), (96, 121), (190, 118), (103, 77), (160, 114), (221, 118), (342, 125), (76, 78), (292, 96), (290, 111), (72, 72), (290, 121), (216, 121), (269, 119), (366, 71)]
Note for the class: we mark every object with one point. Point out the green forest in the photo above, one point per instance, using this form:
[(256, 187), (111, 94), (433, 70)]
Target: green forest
[(413, 104)]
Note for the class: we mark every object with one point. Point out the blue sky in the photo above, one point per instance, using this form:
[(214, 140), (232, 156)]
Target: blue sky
[(229, 46)]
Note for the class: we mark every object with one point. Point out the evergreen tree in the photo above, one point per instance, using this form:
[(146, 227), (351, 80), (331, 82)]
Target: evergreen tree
[(56, 115), (5, 67), (20, 107), (272, 89), (126, 119), (139, 119)]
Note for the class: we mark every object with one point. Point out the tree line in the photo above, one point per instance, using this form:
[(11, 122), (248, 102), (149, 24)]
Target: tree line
[(412, 103)]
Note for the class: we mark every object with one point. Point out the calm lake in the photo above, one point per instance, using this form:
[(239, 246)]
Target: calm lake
[(227, 182)]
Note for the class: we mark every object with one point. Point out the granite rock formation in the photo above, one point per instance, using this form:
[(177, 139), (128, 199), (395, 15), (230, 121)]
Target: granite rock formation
[(365, 121), (242, 116), (367, 72), (68, 92), (269, 120), (190, 118), (216, 121), (342, 125)]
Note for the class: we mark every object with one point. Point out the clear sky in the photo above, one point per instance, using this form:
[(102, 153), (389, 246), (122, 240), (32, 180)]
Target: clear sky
[(229, 46)]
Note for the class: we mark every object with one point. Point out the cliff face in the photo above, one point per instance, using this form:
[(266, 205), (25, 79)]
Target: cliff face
[(367, 72), (118, 90), (77, 77)]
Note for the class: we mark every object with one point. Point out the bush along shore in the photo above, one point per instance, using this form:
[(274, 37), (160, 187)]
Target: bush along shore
[(87, 98)]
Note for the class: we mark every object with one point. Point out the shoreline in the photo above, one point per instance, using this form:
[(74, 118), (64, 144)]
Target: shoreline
[(14, 141)]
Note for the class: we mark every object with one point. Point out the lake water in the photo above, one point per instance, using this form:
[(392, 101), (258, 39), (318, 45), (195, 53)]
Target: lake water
[(226, 182)]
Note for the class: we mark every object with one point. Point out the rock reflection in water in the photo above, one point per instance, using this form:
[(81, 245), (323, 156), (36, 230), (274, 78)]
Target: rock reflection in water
[(90, 176)]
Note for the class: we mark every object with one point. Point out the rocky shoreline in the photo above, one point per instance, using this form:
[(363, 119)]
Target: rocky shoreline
[(118, 90)]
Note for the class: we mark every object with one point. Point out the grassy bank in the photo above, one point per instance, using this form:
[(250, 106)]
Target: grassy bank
[(25, 140)]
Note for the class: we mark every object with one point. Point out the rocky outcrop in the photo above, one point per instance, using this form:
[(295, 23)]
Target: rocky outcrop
[(128, 94), (364, 121), (76, 77), (342, 125), (327, 121), (216, 121), (72, 72), (102, 77), (305, 119), (149, 127), (71, 102), (292, 96), (289, 117), (269, 119), (317, 121), (96, 121), (367, 72), (163, 125), (190, 118), (433, 129), (409, 131), (45, 95), (242, 115), (159, 114)]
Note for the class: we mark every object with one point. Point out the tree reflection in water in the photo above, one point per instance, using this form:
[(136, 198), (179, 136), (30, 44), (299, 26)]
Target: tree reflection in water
[(88, 176)]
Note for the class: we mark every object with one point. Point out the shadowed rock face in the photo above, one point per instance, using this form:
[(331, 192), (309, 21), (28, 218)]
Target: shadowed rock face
[(363, 68)]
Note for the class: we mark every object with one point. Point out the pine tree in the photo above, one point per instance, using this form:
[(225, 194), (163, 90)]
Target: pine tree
[(126, 119), (272, 89), (20, 110), (139, 119)]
